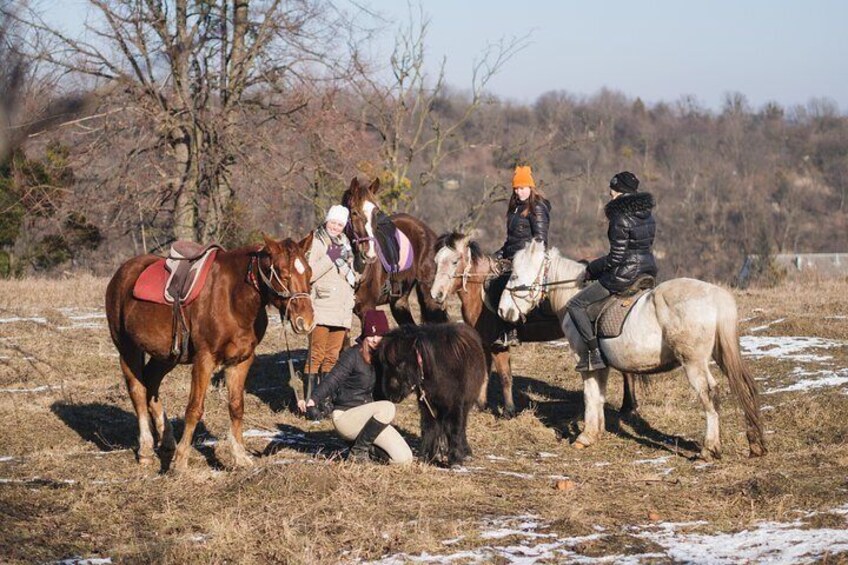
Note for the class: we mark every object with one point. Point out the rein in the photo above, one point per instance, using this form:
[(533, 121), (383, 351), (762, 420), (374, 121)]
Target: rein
[(422, 396)]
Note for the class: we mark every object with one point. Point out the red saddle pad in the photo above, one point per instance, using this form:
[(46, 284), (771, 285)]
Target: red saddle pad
[(150, 285)]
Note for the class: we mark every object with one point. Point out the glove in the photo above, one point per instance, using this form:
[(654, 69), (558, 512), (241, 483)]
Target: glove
[(334, 252)]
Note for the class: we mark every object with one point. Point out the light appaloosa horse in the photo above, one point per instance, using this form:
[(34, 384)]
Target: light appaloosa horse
[(681, 322), (226, 321), (463, 269)]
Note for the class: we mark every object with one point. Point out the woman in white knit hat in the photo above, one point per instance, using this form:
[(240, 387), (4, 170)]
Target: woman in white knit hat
[(333, 280)]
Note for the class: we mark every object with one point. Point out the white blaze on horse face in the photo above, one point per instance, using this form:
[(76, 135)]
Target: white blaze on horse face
[(299, 266), (368, 208), (527, 267), (446, 261)]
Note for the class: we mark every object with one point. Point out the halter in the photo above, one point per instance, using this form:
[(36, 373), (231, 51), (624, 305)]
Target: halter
[(538, 285), (419, 384), (286, 294)]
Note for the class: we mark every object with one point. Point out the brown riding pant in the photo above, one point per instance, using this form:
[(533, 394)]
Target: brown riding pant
[(325, 344), (350, 422)]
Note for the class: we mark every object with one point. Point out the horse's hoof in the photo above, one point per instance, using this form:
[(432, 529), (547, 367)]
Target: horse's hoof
[(146, 460), (710, 454), (508, 413), (243, 461), (582, 442)]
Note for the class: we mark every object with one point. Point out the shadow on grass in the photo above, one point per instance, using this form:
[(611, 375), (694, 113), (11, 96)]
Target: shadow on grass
[(268, 380), (562, 411), (111, 428)]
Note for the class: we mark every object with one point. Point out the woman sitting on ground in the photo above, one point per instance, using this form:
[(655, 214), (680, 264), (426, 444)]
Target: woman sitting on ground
[(350, 386)]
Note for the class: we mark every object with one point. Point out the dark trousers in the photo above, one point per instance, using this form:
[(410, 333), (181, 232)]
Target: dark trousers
[(578, 306)]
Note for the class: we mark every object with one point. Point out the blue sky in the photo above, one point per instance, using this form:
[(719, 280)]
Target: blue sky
[(778, 50)]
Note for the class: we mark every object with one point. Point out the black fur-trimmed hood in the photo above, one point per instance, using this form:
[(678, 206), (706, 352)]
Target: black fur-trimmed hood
[(637, 204)]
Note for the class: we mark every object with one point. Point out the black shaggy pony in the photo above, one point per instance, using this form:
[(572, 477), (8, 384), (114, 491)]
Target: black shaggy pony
[(444, 365)]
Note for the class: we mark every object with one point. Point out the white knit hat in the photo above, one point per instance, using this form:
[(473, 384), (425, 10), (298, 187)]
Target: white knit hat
[(337, 213)]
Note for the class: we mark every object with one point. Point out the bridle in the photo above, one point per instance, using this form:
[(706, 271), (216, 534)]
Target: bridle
[(539, 285), (285, 294)]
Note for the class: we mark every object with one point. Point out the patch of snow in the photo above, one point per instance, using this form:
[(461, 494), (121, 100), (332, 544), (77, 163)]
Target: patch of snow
[(787, 347), (546, 455), (84, 561), (656, 461), (558, 477), (42, 388), (453, 541), (491, 457), (601, 464), (824, 379), (761, 328), (836, 317), (525, 476), (15, 319), (773, 542), (5, 458)]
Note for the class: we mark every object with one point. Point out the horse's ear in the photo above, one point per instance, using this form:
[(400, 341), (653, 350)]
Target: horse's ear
[(271, 244), (306, 243), (354, 184), (375, 186)]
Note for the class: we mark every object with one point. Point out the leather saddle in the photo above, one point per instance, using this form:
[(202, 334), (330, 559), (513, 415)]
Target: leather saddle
[(176, 281), (608, 316)]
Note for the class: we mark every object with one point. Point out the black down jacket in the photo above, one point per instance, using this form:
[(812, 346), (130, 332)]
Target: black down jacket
[(349, 384), (631, 236), (521, 229)]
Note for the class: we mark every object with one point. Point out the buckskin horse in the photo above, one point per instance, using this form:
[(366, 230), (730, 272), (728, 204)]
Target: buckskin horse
[(682, 322), (463, 269), (226, 322), (362, 202)]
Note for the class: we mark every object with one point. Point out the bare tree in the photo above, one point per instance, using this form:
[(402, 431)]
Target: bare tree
[(404, 112), (194, 70)]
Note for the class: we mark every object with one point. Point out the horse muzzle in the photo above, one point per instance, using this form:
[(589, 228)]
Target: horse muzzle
[(300, 326)]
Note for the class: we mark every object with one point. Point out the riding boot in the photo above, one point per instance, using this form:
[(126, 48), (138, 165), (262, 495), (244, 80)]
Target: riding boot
[(310, 380), (361, 448), (592, 359)]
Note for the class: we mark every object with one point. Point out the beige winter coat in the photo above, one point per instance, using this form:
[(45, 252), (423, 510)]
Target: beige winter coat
[(332, 294)]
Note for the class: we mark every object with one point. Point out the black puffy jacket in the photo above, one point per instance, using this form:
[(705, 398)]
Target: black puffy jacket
[(631, 236), (521, 229), (349, 384)]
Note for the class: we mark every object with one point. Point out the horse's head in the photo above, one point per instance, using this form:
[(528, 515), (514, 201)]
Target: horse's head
[(525, 288), (361, 200), (398, 362), (288, 280), (455, 255)]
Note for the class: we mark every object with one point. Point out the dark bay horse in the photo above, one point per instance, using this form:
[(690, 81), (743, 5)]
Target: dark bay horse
[(227, 321), (462, 269), (444, 365), (363, 204)]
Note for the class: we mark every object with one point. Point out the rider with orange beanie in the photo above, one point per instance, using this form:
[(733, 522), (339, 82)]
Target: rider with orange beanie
[(528, 217)]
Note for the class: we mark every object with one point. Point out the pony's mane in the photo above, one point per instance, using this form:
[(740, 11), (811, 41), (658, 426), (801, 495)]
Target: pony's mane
[(452, 239)]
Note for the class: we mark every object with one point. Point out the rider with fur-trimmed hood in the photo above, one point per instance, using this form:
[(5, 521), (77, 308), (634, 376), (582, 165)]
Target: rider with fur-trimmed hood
[(631, 237)]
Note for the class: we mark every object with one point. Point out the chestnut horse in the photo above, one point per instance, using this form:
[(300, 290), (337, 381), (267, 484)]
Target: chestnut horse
[(362, 202), (463, 269), (227, 321)]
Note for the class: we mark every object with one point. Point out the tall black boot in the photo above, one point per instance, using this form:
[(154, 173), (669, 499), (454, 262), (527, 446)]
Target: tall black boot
[(309, 382), (360, 450), (592, 360)]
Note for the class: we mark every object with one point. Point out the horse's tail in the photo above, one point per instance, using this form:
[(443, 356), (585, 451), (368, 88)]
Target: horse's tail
[(729, 358)]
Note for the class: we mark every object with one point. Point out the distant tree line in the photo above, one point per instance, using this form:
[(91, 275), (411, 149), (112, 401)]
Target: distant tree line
[(219, 120)]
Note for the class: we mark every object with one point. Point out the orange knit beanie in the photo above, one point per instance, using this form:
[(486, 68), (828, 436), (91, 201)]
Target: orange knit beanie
[(523, 177)]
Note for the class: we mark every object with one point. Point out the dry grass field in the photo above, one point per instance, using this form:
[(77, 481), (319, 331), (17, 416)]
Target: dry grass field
[(70, 488)]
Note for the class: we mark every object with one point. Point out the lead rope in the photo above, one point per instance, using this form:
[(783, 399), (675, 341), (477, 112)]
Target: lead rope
[(422, 396)]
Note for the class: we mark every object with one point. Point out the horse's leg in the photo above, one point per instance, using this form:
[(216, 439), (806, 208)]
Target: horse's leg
[(629, 405), (400, 309), (132, 365), (154, 371), (201, 374), (482, 396), (698, 373), (594, 396), (431, 311), (504, 369), (236, 376), (453, 429), (430, 434)]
